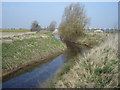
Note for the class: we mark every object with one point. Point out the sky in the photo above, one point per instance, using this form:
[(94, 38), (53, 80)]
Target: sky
[(22, 14)]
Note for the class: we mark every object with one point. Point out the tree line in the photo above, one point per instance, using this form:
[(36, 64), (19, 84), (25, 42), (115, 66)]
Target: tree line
[(36, 26)]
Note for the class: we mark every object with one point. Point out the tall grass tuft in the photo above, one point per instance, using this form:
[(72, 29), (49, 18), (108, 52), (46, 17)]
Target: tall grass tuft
[(96, 69)]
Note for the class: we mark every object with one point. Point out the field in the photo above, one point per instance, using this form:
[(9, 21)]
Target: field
[(29, 47), (16, 30), (96, 69), (11, 33)]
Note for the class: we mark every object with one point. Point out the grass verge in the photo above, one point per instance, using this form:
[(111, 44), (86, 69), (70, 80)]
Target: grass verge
[(96, 69)]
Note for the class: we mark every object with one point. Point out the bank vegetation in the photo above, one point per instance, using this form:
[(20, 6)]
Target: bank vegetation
[(98, 68), (29, 48)]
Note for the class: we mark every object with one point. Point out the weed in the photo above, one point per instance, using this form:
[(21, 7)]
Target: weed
[(96, 69)]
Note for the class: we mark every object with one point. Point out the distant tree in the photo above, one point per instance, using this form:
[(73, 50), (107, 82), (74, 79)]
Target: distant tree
[(20, 28), (35, 26), (74, 21), (52, 26), (44, 28)]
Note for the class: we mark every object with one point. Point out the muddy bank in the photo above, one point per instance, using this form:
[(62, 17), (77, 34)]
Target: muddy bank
[(31, 64)]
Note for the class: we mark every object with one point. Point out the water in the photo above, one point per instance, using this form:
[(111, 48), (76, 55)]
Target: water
[(36, 77), (57, 36)]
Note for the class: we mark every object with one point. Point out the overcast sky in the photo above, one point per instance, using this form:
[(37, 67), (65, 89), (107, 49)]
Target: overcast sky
[(22, 14)]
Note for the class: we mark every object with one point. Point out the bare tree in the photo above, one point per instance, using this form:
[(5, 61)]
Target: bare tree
[(74, 20), (52, 26), (35, 26)]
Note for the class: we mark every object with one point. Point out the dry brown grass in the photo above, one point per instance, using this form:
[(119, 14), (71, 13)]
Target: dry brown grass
[(97, 69)]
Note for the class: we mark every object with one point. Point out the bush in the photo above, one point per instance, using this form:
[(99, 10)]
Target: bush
[(74, 21), (35, 26), (52, 26)]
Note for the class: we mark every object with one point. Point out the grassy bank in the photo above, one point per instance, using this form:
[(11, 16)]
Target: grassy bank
[(96, 69), (27, 48), (93, 38)]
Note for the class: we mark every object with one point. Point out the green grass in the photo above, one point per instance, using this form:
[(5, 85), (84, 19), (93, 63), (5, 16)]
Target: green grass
[(96, 69), (16, 30), (29, 49)]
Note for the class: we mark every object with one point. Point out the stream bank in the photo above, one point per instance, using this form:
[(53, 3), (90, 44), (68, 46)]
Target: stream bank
[(37, 76), (32, 49), (29, 66), (96, 69)]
